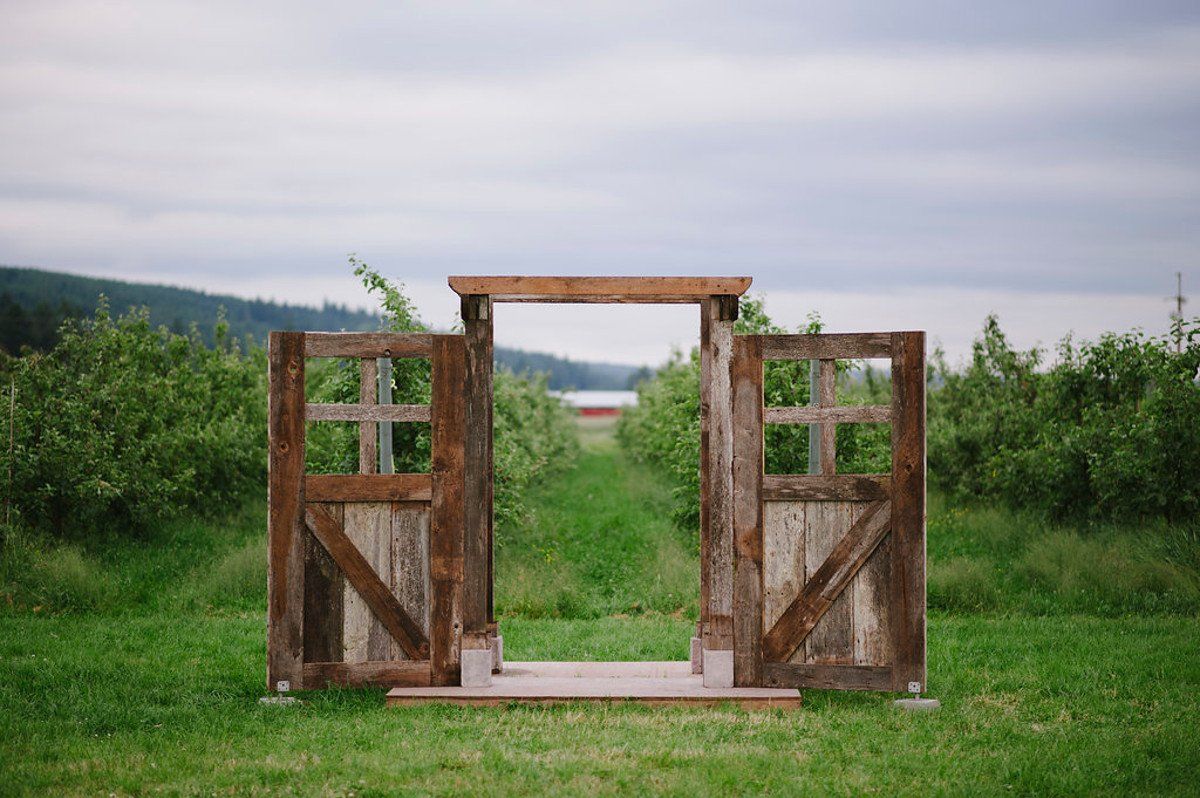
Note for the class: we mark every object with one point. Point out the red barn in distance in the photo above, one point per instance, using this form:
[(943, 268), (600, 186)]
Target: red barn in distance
[(597, 403)]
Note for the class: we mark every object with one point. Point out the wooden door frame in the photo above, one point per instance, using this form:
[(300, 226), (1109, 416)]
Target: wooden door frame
[(898, 509), (295, 512), (717, 299)]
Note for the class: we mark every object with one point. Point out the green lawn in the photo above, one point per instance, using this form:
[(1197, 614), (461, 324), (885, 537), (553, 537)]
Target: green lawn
[(141, 703), (140, 671)]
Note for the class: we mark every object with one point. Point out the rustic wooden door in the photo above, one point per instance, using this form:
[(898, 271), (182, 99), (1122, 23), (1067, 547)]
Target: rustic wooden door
[(365, 572), (829, 569)]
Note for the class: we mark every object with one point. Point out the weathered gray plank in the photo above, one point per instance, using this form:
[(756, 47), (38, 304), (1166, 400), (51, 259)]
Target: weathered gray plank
[(410, 564), (368, 526), (845, 414), (827, 397), (832, 638), (318, 411), (368, 453), (783, 557), (718, 631)]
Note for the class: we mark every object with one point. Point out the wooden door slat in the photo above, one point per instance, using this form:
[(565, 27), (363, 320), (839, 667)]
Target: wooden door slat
[(827, 583), (362, 576)]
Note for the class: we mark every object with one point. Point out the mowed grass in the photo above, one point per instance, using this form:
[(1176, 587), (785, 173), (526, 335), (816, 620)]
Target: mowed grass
[(135, 668), (165, 702), (598, 542)]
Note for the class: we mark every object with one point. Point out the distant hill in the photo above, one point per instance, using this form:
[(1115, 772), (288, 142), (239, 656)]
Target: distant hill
[(34, 303)]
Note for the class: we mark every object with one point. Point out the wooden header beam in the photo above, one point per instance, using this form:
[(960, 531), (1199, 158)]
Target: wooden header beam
[(652, 290)]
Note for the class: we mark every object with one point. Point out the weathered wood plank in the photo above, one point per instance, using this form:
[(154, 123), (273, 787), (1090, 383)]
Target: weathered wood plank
[(718, 632), (746, 384), (845, 414), (599, 289), (368, 453), (828, 581), (831, 639), (318, 411), (410, 564), (872, 608), (323, 588), (783, 557), (477, 342), (908, 508), (368, 487), (285, 498), (827, 346), (841, 487), (448, 440), (367, 525), (827, 397), (411, 673), (826, 677), (366, 581), (705, 512), (367, 344)]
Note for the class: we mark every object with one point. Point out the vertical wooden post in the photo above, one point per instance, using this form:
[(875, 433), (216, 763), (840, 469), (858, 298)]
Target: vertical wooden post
[(746, 379), (814, 430), (447, 444), (477, 588), (908, 509), (368, 375), (827, 397), (387, 463), (717, 472), (285, 499), (705, 515)]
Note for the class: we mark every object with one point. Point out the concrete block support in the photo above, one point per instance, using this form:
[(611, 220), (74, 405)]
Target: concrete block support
[(476, 667), (718, 668), (497, 653), (697, 655)]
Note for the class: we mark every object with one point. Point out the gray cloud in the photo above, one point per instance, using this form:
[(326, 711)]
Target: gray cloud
[(1039, 148)]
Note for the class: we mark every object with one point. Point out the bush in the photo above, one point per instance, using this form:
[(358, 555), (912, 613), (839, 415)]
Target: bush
[(122, 425), (664, 428), (532, 432), (1107, 431)]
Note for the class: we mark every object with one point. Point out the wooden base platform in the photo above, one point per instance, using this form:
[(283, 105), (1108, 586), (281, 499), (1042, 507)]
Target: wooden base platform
[(650, 683)]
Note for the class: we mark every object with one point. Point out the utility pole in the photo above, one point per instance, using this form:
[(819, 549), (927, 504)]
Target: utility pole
[(1177, 316)]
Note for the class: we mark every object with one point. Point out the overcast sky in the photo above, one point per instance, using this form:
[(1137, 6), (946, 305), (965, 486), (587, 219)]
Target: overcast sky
[(911, 165)]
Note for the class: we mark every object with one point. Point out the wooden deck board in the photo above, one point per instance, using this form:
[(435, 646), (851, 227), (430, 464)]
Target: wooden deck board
[(651, 683)]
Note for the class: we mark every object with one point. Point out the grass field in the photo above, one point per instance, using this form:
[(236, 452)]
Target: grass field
[(140, 671)]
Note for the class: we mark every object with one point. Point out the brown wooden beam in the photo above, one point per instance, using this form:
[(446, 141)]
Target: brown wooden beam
[(356, 344), (666, 290), (839, 487), (285, 500), (368, 487), (828, 346), (390, 673)]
